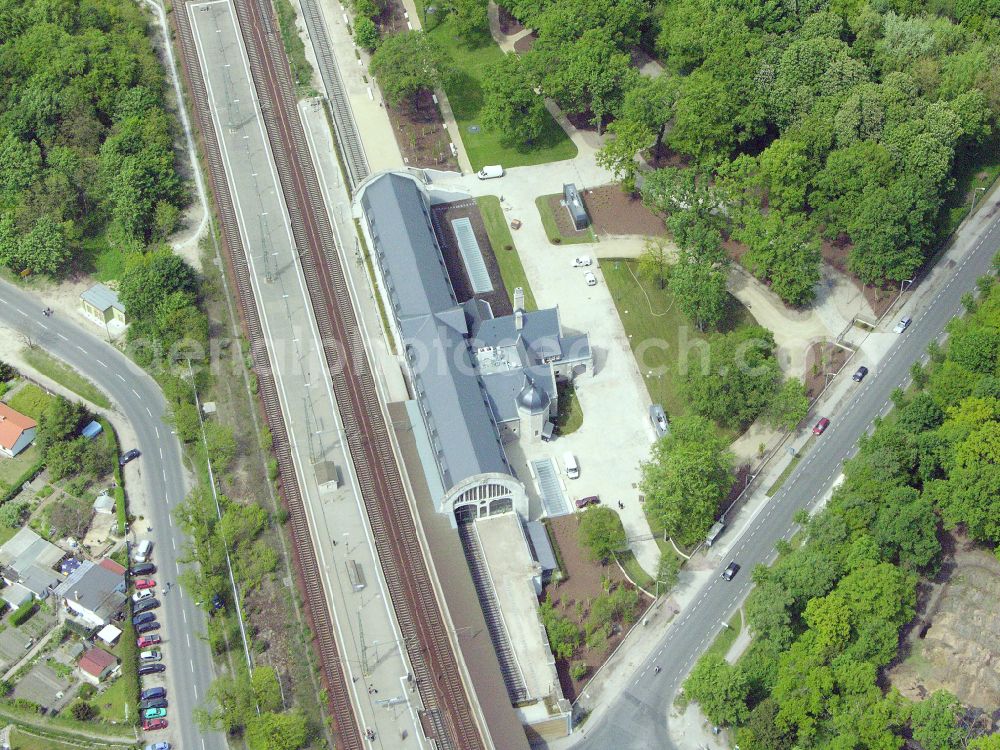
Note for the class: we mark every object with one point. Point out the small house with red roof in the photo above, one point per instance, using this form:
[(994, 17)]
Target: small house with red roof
[(16, 431), (97, 664)]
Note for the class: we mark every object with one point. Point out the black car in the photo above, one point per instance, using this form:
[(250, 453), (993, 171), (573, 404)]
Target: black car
[(730, 572), (153, 703), (152, 668), (147, 627), (860, 374), (145, 605), (142, 618), (128, 456), (142, 569)]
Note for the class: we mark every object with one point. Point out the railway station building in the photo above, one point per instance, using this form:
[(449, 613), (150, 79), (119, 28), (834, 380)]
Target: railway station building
[(478, 381)]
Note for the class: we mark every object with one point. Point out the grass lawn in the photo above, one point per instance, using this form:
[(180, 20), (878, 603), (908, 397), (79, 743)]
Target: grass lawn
[(570, 414), (11, 469), (465, 93), (30, 401), (111, 702), (65, 376), (511, 269), (633, 570), (658, 331), (106, 263), (552, 229), (21, 740)]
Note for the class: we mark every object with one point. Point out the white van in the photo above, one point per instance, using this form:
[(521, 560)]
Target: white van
[(140, 553), (572, 468), (490, 172)]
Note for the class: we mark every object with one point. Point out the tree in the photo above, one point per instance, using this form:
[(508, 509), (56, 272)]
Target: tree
[(769, 613), (83, 711), (935, 722), (511, 108), (703, 118), (789, 406), (654, 262), (668, 570), (738, 381), (785, 171), (220, 444), (366, 33), (686, 478), (151, 277), (650, 102), (59, 422), (184, 418), (12, 513), (469, 20), (406, 64), (618, 155), (784, 250), (266, 689), (700, 287), (601, 532), (45, 249), (274, 731), (719, 689)]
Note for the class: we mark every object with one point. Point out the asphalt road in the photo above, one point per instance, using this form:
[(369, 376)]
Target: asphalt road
[(139, 400), (637, 716)]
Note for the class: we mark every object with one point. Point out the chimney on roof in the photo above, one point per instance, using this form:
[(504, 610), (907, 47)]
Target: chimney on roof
[(518, 308), (76, 595)]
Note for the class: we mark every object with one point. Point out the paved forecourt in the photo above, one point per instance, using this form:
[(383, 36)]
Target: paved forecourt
[(365, 624)]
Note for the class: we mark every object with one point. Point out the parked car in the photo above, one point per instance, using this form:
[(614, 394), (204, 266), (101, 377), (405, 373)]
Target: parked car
[(659, 419), (138, 596), (151, 655), (153, 692), (142, 618), (590, 278), (490, 172), (152, 668), (148, 627), (583, 502), (152, 724), (153, 703), (859, 375), (730, 572), (902, 325), (147, 640), (145, 605), (142, 569), (821, 426), (158, 746), (154, 713), (582, 261), (145, 583), (129, 456)]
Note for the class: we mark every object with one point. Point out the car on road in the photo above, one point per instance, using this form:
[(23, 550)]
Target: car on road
[(151, 655), (145, 583), (147, 627), (127, 456), (158, 746), (730, 572), (142, 618), (583, 502), (902, 325), (146, 641), (590, 278), (153, 724), (859, 374), (142, 569), (145, 605), (138, 596), (153, 692), (153, 703), (152, 668), (154, 713), (821, 426), (582, 261)]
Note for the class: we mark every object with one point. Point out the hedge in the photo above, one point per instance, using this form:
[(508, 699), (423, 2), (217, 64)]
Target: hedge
[(33, 471), (120, 508), (23, 612)]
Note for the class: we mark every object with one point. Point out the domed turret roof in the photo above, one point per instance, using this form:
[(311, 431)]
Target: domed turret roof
[(532, 398)]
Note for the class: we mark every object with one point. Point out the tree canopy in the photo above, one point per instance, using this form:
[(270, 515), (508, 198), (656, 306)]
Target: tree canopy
[(406, 64)]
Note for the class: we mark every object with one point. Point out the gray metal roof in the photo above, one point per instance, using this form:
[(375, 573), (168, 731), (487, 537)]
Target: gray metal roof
[(94, 587), (102, 298), (541, 547), (434, 328), (26, 548), (503, 389), (540, 332)]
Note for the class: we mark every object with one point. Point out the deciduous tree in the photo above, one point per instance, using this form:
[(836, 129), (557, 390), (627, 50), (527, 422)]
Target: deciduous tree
[(511, 107), (406, 64)]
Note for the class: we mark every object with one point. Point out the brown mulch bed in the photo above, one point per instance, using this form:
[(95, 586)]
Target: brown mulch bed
[(508, 24), (563, 220), (822, 357), (420, 133), (442, 215), (525, 43), (614, 211), (735, 250), (835, 253), (583, 583)]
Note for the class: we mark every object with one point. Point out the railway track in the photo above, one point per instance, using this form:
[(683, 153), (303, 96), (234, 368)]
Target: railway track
[(447, 717), (345, 128), (346, 728)]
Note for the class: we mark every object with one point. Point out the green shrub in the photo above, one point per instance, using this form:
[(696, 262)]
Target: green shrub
[(22, 613), (578, 670)]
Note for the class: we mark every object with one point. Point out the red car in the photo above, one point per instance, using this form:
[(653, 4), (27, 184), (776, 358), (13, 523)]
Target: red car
[(583, 502), (147, 640), (149, 726), (821, 426), (145, 583)]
